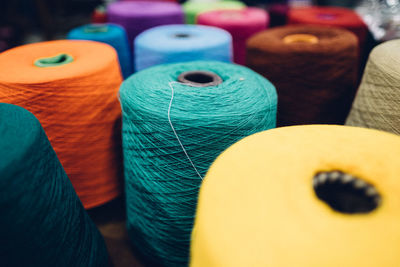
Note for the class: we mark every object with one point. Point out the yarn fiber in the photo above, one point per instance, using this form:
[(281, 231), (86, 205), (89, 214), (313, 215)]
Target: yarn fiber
[(171, 134), (193, 8), (316, 82), (181, 43), (111, 34), (138, 16), (258, 204), (330, 16), (241, 24), (42, 222), (77, 105), (377, 103)]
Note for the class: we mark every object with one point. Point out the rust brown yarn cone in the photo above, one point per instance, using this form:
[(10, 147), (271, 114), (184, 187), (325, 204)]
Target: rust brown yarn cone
[(315, 77)]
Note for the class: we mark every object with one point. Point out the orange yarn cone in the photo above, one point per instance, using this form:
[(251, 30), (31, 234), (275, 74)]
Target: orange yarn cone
[(71, 87)]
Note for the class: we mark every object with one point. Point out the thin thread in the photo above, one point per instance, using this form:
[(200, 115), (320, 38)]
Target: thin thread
[(173, 129), (162, 146)]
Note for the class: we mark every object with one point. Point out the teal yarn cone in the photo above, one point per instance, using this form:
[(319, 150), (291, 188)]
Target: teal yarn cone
[(171, 134), (111, 34), (42, 221)]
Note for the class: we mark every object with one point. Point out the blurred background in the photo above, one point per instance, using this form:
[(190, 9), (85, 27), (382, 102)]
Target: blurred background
[(28, 21)]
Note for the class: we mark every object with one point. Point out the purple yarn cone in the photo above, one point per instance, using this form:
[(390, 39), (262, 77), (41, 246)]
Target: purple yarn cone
[(139, 16)]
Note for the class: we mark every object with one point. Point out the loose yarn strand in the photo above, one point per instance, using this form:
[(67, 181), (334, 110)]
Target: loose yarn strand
[(162, 146), (173, 129)]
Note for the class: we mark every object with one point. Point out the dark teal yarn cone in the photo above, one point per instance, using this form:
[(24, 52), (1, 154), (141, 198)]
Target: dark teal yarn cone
[(172, 132), (42, 221)]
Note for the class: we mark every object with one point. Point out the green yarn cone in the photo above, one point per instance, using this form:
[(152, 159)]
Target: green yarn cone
[(193, 8)]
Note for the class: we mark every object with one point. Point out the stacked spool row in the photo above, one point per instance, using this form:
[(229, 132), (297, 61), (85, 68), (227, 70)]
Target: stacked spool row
[(241, 22), (172, 129)]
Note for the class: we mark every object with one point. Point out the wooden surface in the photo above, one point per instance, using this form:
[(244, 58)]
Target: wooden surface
[(110, 219)]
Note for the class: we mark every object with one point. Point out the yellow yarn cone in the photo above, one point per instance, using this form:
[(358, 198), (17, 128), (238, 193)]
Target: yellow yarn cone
[(258, 204)]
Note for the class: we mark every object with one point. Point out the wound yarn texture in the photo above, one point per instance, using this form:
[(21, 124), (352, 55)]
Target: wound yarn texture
[(331, 16), (181, 43), (241, 24), (193, 8), (257, 202), (316, 82), (42, 222), (138, 16), (172, 132), (377, 103), (78, 107), (113, 35)]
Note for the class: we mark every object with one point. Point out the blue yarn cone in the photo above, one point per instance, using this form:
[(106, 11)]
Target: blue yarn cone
[(181, 43), (111, 34)]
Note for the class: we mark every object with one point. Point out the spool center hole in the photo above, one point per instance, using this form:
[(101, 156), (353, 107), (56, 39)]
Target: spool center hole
[(182, 35), (346, 193), (200, 78), (57, 60), (95, 28), (300, 38)]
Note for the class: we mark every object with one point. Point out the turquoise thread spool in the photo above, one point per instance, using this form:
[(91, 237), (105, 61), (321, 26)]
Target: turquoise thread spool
[(172, 131)]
